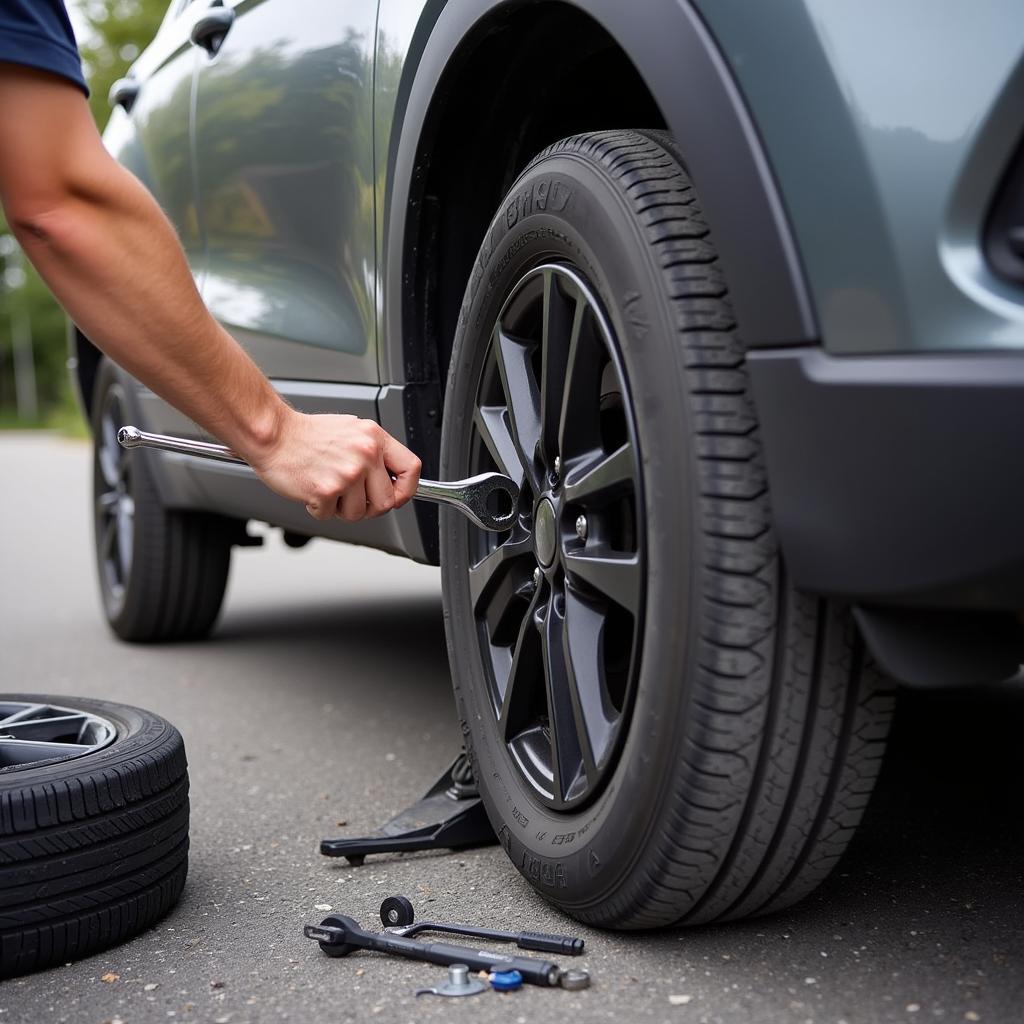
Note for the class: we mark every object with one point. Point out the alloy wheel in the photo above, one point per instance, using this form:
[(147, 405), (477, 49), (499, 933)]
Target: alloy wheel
[(114, 512), (31, 734), (558, 599)]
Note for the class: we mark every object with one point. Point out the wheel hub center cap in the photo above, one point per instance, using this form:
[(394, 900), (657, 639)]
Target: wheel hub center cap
[(545, 536)]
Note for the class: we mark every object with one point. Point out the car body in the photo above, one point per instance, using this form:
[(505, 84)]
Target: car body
[(331, 169)]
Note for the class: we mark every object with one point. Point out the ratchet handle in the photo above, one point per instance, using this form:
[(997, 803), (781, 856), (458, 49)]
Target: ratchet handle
[(544, 943)]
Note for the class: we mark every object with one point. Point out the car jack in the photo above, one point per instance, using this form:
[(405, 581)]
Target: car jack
[(450, 815)]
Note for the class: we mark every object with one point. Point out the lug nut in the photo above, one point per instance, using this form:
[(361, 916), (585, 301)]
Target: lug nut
[(556, 474), (581, 527)]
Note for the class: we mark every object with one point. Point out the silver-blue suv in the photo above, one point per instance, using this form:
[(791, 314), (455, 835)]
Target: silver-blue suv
[(734, 290)]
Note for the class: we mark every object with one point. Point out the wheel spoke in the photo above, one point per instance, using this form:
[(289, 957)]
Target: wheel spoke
[(14, 752), (607, 477), (30, 712), (491, 422), (485, 573), (584, 648), (566, 755), (45, 728), (615, 574), (579, 426), (107, 454), (108, 537), (106, 503), (523, 396), (125, 536), (562, 318), (517, 694)]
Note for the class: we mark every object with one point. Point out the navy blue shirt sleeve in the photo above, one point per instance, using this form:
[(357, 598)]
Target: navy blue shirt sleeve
[(38, 34)]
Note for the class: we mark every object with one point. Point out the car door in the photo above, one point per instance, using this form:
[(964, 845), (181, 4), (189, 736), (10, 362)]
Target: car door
[(283, 137), (153, 140), (149, 132)]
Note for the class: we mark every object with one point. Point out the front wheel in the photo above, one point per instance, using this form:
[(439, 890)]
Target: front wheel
[(662, 729)]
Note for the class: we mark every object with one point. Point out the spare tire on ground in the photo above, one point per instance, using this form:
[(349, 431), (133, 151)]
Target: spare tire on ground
[(93, 826)]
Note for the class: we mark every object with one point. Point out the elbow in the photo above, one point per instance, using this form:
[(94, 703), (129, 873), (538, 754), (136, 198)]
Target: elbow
[(35, 222), (38, 225)]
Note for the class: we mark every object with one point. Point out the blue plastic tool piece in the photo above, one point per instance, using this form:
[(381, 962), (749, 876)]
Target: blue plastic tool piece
[(506, 981)]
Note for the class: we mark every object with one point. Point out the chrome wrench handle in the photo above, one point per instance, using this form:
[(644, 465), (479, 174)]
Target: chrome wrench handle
[(488, 500), (132, 437)]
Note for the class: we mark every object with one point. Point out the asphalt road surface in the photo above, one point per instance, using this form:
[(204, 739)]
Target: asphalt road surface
[(321, 706)]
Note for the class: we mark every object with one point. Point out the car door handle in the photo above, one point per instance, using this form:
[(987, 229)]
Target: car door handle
[(210, 29), (123, 92)]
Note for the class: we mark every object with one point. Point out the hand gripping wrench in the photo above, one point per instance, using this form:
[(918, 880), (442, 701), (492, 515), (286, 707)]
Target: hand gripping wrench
[(488, 500)]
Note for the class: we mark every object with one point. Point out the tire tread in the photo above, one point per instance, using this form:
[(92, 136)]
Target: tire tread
[(791, 717), (92, 850)]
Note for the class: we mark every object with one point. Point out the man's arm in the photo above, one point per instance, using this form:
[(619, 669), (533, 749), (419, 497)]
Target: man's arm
[(112, 259)]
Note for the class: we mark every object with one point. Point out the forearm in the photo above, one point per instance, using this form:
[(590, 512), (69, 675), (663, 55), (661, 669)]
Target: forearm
[(113, 260), (114, 263)]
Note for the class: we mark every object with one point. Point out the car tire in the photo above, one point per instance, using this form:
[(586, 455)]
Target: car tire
[(662, 729), (93, 846), (162, 572)]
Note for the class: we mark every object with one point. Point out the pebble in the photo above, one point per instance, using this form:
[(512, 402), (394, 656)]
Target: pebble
[(679, 1000), (322, 906)]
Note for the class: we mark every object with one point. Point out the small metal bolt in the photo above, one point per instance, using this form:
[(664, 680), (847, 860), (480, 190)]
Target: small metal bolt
[(581, 527), (537, 577), (557, 473), (574, 979)]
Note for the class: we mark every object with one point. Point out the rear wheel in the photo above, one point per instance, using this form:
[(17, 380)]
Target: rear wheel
[(662, 729), (162, 572)]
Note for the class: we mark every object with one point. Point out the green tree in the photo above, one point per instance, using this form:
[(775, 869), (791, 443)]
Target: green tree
[(117, 32)]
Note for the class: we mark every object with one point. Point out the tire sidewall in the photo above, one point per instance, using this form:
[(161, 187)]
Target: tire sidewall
[(564, 207)]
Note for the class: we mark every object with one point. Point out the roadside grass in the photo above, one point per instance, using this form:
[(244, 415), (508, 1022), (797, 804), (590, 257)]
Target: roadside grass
[(66, 419)]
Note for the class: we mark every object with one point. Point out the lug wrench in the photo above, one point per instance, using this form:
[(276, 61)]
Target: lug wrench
[(339, 936), (488, 500), (397, 915)]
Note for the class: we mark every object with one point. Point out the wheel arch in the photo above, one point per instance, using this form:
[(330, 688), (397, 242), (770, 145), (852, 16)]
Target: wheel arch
[(84, 362), (466, 123)]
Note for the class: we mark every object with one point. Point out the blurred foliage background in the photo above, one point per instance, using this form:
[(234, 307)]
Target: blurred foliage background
[(35, 389)]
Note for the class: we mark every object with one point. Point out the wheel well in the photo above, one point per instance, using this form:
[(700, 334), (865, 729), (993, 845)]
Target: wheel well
[(524, 79), (87, 362)]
